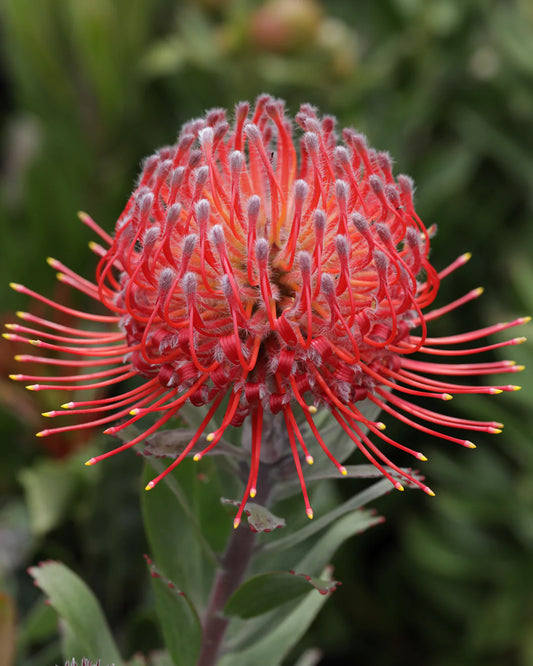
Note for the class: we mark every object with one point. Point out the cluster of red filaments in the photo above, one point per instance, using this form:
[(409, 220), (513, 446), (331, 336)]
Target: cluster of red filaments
[(270, 273)]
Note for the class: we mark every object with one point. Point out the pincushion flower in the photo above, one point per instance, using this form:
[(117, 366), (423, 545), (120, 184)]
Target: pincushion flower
[(280, 274)]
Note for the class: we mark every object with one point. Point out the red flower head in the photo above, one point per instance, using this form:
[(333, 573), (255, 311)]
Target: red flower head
[(275, 274)]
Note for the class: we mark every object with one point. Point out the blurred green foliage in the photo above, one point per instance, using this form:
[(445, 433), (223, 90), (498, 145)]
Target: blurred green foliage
[(89, 87)]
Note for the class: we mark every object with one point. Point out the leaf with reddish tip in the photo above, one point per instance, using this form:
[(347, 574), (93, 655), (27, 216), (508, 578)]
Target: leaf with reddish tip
[(179, 620), (264, 592), (260, 519), (317, 554), (323, 585), (185, 524), (78, 607), (270, 647)]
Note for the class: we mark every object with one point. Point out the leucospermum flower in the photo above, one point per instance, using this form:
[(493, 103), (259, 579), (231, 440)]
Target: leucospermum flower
[(282, 274)]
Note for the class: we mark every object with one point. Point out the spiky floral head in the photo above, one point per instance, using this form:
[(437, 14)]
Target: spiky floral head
[(275, 273)]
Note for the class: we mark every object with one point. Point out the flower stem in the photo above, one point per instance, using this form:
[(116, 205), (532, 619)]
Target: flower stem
[(231, 573), (233, 566)]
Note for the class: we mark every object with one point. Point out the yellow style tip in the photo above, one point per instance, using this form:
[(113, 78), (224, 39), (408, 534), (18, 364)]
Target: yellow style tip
[(253, 492), (16, 286), (67, 405), (447, 396), (310, 514), (47, 414), (429, 492), (197, 457), (90, 462), (149, 486), (343, 471), (33, 387), (134, 412), (41, 433), (399, 486), (470, 445), (312, 409), (8, 336), (525, 320), (309, 460), (466, 256), (516, 388), (421, 457), (479, 291), (236, 523), (11, 327), (21, 315), (518, 368), (210, 437), (381, 426), (15, 378), (35, 343)]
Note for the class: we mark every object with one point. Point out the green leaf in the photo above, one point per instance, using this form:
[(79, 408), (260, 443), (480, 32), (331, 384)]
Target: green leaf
[(39, 625), (260, 519), (273, 646), (173, 515), (170, 443), (316, 557), (265, 592), (65, 477), (15, 533), (71, 647), (325, 548), (46, 508), (77, 605), (352, 472), (361, 499), (337, 441), (179, 620)]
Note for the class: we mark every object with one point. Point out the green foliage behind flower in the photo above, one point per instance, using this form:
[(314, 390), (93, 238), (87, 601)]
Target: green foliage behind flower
[(91, 86)]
